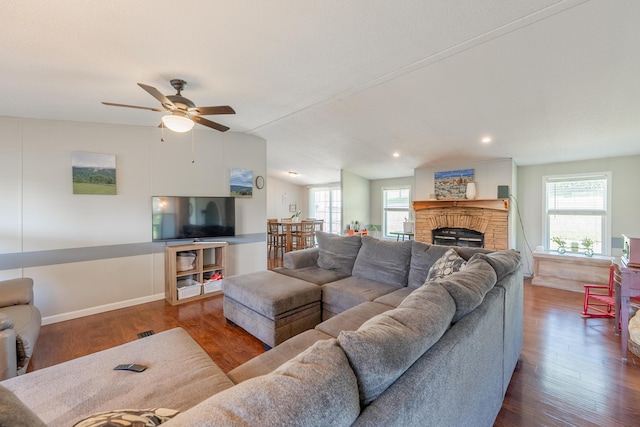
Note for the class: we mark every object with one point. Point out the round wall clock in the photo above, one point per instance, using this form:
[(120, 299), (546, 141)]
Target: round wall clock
[(259, 182)]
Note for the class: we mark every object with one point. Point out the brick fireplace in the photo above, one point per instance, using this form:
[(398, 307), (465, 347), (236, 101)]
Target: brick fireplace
[(490, 217)]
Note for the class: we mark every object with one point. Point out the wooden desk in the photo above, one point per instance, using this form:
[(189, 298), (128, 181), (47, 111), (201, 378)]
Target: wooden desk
[(630, 287), (402, 233)]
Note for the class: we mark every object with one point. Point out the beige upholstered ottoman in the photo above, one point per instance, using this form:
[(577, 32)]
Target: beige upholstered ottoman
[(271, 306)]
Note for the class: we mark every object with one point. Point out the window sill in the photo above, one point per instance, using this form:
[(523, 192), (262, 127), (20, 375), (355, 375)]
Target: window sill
[(569, 271)]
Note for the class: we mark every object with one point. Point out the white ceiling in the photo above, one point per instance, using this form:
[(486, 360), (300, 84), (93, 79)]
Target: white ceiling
[(337, 84)]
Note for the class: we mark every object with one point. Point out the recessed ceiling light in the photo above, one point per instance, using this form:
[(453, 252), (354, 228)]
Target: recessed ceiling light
[(396, 154), (486, 140), (293, 174)]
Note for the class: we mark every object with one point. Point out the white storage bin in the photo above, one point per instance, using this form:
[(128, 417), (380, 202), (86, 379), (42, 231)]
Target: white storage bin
[(188, 288), (212, 286)]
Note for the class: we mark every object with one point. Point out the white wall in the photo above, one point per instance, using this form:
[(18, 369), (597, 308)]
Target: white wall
[(280, 194), (44, 225), (625, 206), (355, 199)]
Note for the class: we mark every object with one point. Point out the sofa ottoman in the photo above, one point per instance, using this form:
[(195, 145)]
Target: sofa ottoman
[(270, 306)]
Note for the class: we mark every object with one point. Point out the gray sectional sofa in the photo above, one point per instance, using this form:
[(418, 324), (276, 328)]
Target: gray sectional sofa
[(413, 334)]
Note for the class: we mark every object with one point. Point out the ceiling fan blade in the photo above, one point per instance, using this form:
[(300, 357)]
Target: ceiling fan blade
[(166, 102), (207, 111), (209, 123), (133, 106)]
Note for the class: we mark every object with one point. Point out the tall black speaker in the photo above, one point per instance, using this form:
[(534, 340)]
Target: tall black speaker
[(503, 191)]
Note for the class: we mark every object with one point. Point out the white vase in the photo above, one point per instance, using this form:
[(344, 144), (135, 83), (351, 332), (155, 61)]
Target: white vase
[(407, 227), (471, 190)]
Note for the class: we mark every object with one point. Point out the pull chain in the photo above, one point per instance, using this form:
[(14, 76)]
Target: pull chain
[(162, 130), (193, 154)]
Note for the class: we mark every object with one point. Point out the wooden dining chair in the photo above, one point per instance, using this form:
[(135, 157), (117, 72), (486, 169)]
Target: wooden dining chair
[(600, 300), (276, 239), (305, 235)]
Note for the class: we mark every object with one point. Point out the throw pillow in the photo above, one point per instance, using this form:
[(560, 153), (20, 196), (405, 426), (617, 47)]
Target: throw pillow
[(386, 345), (128, 417), (337, 252), (423, 256), (448, 263), (14, 413), (386, 262), (469, 286)]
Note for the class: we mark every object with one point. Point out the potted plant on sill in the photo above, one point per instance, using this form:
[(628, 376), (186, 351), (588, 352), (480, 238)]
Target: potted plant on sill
[(588, 242), (561, 244)]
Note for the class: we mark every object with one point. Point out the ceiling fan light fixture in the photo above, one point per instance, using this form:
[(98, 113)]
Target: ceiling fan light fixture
[(177, 123)]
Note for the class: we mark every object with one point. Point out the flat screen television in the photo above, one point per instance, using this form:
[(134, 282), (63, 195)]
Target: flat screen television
[(182, 217)]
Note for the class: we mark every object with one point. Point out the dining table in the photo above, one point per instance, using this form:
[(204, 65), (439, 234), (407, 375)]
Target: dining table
[(289, 226)]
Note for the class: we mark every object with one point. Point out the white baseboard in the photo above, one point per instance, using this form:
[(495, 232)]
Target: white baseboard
[(99, 309)]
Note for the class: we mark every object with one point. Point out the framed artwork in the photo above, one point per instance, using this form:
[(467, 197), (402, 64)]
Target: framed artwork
[(93, 173), (241, 183), (452, 185)]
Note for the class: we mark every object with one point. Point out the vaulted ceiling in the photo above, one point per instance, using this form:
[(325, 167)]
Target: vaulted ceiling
[(339, 84)]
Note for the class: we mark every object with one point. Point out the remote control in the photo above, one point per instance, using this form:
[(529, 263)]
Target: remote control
[(130, 367)]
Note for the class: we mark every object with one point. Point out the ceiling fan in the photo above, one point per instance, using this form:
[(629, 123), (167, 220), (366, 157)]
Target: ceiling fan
[(184, 112)]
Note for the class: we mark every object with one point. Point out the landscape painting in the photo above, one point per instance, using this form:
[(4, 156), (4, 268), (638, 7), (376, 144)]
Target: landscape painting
[(93, 173), (241, 182), (452, 185)]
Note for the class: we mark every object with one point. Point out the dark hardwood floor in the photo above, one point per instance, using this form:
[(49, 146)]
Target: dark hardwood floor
[(570, 372)]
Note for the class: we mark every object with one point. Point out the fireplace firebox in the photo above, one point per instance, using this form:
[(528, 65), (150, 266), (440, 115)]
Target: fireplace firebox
[(458, 237)]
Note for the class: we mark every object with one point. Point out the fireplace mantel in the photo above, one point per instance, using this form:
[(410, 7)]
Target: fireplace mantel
[(497, 204)]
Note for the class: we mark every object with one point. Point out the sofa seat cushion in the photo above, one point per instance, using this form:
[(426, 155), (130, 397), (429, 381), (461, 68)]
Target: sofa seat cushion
[(385, 346), (346, 293), (337, 252), (469, 286), (180, 374), (383, 261), (269, 361), (352, 319), (270, 294), (313, 274), (26, 321), (316, 388), (396, 297)]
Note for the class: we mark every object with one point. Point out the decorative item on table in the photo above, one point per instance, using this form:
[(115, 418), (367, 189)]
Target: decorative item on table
[(588, 242), (296, 216), (561, 244), (574, 246), (355, 225), (407, 226)]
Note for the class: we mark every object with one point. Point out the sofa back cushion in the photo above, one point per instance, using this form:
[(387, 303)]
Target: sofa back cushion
[(15, 413), (337, 252), (383, 261), (468, 286), (503, 262), (315, 388), (386, 345), (423, 256)]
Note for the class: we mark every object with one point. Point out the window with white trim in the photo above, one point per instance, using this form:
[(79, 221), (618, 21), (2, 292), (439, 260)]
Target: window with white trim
[(577, 207), (395, 207), (325, 203)]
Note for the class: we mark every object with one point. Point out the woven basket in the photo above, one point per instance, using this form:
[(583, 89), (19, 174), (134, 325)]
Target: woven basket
[(185, 261)]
